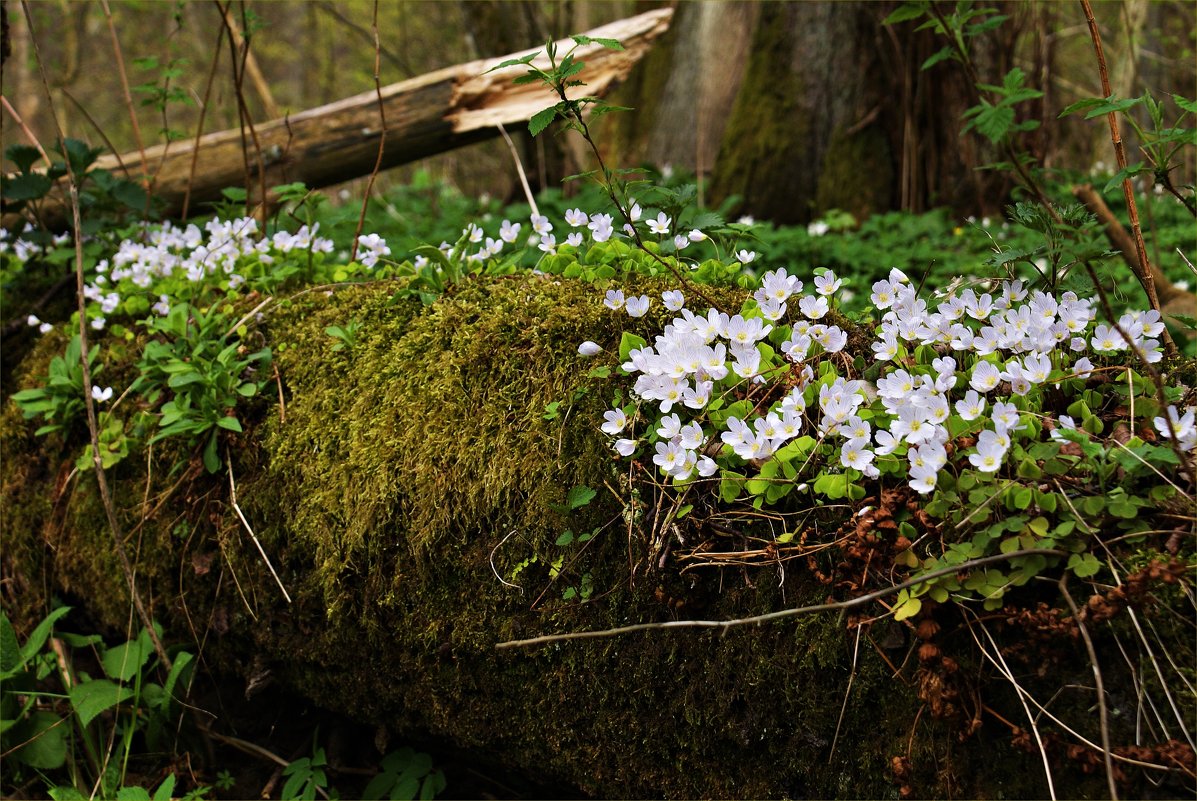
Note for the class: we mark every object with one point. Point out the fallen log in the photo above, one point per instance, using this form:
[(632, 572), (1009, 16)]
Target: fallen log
[(337, 142), (412, 498)]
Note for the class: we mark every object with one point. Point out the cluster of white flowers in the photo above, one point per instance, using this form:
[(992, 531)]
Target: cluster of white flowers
[(220, 249), (1017, 340), (25, 249)]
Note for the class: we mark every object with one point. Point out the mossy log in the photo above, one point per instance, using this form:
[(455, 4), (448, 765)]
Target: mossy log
[(409, 491)]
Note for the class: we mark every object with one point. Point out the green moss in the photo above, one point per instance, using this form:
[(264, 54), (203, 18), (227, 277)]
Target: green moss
[(751, 164), (848, 157), (393, 483)]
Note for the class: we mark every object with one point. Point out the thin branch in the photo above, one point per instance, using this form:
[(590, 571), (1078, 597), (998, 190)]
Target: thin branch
[(25, 129), (382, 135), (128, 96), (519, 168), (724, 625), (88, 400), (1102, 711), (1144, 267), (199, 128), (1022, 699), (244, 522)]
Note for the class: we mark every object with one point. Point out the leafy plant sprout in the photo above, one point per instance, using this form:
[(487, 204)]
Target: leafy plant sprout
[(559, 78)]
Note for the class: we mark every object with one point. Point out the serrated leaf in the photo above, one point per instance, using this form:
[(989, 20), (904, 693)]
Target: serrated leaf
[(541, 119), (25, 156), (579, 496), (27, 186), (1185, 104), (513, 62)]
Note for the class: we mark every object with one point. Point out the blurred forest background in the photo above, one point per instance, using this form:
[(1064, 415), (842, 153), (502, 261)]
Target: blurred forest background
[(795, 108)]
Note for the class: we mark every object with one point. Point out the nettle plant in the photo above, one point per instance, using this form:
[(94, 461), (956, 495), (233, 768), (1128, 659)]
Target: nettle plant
[(975, 401)]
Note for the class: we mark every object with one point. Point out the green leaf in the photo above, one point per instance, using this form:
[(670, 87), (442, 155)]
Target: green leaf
[(1112, 104), (39, 635), (211, 457), (25, 156), (579, 496), (229, 424), (629, 342), (541, 119), (940, 55), (906, 606), (905, 12), (1185, 104), (1084, 565), (513, 62), (166, 790), (46, 748), (124, 661), (90, 698), (27, 186), (133, 794), (566, 537), (992, 122)]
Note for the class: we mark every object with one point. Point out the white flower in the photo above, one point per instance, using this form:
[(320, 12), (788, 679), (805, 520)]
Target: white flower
[(1185, 427), (541, 224), (988, 458), (614, 299), (985, 377), (616, 420), (625, 447), (101, 395), (659, 226), (817, 228), (696, 235), (576, 217), (601, 227), (972, 406), (589, 349), (680, 242), (745, 256), (32, 320), (509, 231), (827, 283), (855, 453), (638, 307), (673, 299), (923, 478), (813, 307), (45, 328)]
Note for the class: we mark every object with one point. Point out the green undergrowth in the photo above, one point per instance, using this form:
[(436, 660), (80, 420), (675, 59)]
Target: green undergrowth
[(410, 490)]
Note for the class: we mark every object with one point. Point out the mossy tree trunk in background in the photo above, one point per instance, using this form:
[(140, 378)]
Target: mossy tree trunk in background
[(814, 126)]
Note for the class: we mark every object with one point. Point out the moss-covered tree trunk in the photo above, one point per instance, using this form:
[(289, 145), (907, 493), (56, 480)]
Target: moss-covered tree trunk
[(410, 491)]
